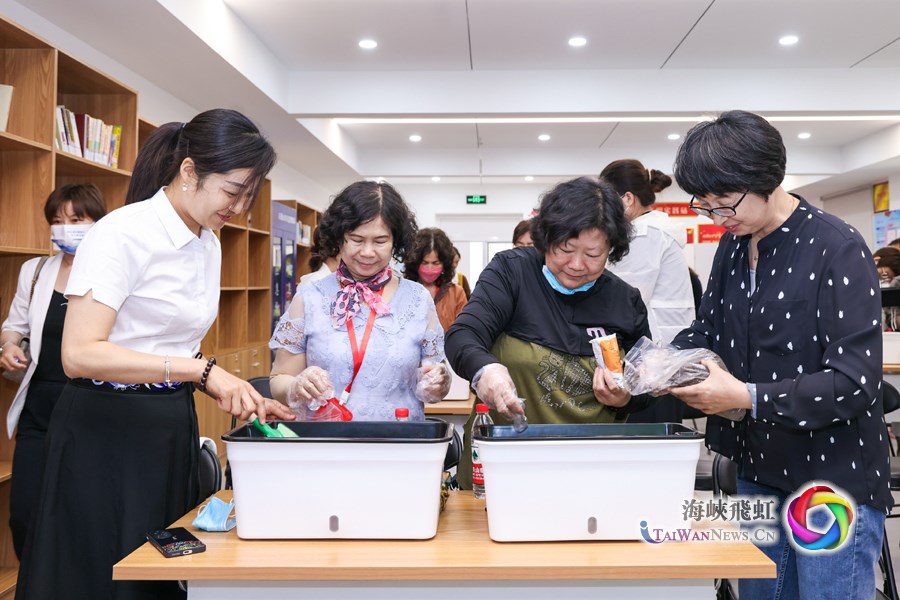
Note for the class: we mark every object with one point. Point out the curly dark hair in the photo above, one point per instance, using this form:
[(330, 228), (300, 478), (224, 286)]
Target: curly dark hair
[(359, 203), (427, 240), (580, 205)]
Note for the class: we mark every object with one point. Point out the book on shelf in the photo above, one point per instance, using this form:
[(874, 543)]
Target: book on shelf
[(88, 137), (115, 142), (59, 131), (74, 139)]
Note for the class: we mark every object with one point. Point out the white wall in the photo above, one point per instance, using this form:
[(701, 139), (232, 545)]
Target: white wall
[(450, 198), (856, 209)]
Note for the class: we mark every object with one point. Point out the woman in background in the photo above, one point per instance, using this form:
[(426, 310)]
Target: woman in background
[(122, 446), (522, 234), (363, 334), (38, 311), (431, 264), (655, 265), (459, 278)]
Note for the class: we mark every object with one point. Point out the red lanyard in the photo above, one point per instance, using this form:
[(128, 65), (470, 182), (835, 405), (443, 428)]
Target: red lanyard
[(358, 352)]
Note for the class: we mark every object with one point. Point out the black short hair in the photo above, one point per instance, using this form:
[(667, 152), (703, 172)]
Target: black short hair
[(735, 153), (580, 205), (86, 199), (428, 239), (359, 203)]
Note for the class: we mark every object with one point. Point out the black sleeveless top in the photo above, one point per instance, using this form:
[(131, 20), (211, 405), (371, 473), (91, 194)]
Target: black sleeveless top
[(49, 367)]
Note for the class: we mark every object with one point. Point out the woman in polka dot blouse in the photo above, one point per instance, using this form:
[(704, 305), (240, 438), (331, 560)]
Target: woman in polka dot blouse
[(793, 307)]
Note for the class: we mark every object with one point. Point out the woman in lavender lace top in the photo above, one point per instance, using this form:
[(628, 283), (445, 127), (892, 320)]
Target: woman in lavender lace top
[(402, 356)]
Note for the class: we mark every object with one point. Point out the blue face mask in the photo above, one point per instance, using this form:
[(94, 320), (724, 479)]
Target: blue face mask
[(556, 285), (214, 516)]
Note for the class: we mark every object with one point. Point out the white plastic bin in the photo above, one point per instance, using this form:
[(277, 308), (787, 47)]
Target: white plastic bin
[(359, 480), (587, 482)]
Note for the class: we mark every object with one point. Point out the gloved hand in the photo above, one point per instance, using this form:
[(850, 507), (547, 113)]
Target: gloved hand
[(494, 387), (432, 382), (310, 389)]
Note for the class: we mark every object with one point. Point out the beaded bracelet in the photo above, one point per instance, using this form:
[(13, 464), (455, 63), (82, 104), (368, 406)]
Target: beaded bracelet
[(209, 365)]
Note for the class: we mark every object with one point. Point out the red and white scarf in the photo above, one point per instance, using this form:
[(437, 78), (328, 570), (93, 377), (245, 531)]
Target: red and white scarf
[(349, 299)]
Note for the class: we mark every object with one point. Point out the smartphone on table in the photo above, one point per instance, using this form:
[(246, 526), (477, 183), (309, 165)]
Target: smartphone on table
[(176, 541)]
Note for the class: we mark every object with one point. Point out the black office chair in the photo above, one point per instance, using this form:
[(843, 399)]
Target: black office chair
[(724, 483), (454, 450), (210, 471)]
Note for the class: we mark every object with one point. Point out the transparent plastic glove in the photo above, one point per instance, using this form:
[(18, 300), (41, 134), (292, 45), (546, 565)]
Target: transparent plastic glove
[(494, 386), (310, 389), (432, 382)]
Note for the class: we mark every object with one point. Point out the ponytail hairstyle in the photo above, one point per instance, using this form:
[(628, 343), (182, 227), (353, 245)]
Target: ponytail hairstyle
[(218, 141), (630, 175)]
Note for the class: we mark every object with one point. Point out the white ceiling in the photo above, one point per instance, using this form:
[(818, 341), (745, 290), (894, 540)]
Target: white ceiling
[(294, 66)]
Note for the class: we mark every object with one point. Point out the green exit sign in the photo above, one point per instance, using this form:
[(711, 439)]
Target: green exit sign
[(476, 199)]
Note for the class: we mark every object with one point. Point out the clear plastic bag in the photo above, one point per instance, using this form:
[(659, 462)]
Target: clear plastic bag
[(652, 368)]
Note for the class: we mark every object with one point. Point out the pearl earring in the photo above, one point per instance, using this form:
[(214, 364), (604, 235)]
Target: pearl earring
[(183, 187)]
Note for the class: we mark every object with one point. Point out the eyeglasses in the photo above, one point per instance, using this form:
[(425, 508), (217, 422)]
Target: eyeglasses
[(719, 211)]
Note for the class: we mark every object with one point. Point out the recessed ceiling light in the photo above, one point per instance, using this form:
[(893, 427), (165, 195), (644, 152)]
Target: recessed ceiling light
[(435, 178), (577, 42), (674, 136), (804, 135), (788, 40), (607, 119), (544, 137), (368, 44), (529, 178), (415, 137)]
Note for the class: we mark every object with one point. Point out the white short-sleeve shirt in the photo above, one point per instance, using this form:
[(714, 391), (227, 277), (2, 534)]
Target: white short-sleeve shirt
[(656, 266), (163, 281)]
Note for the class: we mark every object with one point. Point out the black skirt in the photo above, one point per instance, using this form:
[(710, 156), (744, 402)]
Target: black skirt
[(118, 464)]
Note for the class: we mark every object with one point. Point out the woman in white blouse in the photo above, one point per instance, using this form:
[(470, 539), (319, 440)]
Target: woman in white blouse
[(655, 265), (122, 444)]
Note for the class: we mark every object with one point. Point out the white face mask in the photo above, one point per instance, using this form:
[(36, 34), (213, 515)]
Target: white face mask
[(67, 237)]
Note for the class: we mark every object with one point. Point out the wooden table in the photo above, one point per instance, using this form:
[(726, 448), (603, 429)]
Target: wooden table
[(451, 407), (459, 562)]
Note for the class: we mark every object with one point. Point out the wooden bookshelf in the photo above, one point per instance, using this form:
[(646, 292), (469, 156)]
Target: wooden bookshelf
[(305, 216)]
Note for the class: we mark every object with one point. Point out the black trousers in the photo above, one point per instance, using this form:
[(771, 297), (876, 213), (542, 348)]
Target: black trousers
[(28, 457), (118, 465)]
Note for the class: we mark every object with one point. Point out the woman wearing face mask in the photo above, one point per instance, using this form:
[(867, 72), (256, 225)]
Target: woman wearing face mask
[(363, 335), (70, 210), (527, 330), (431, 264)]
